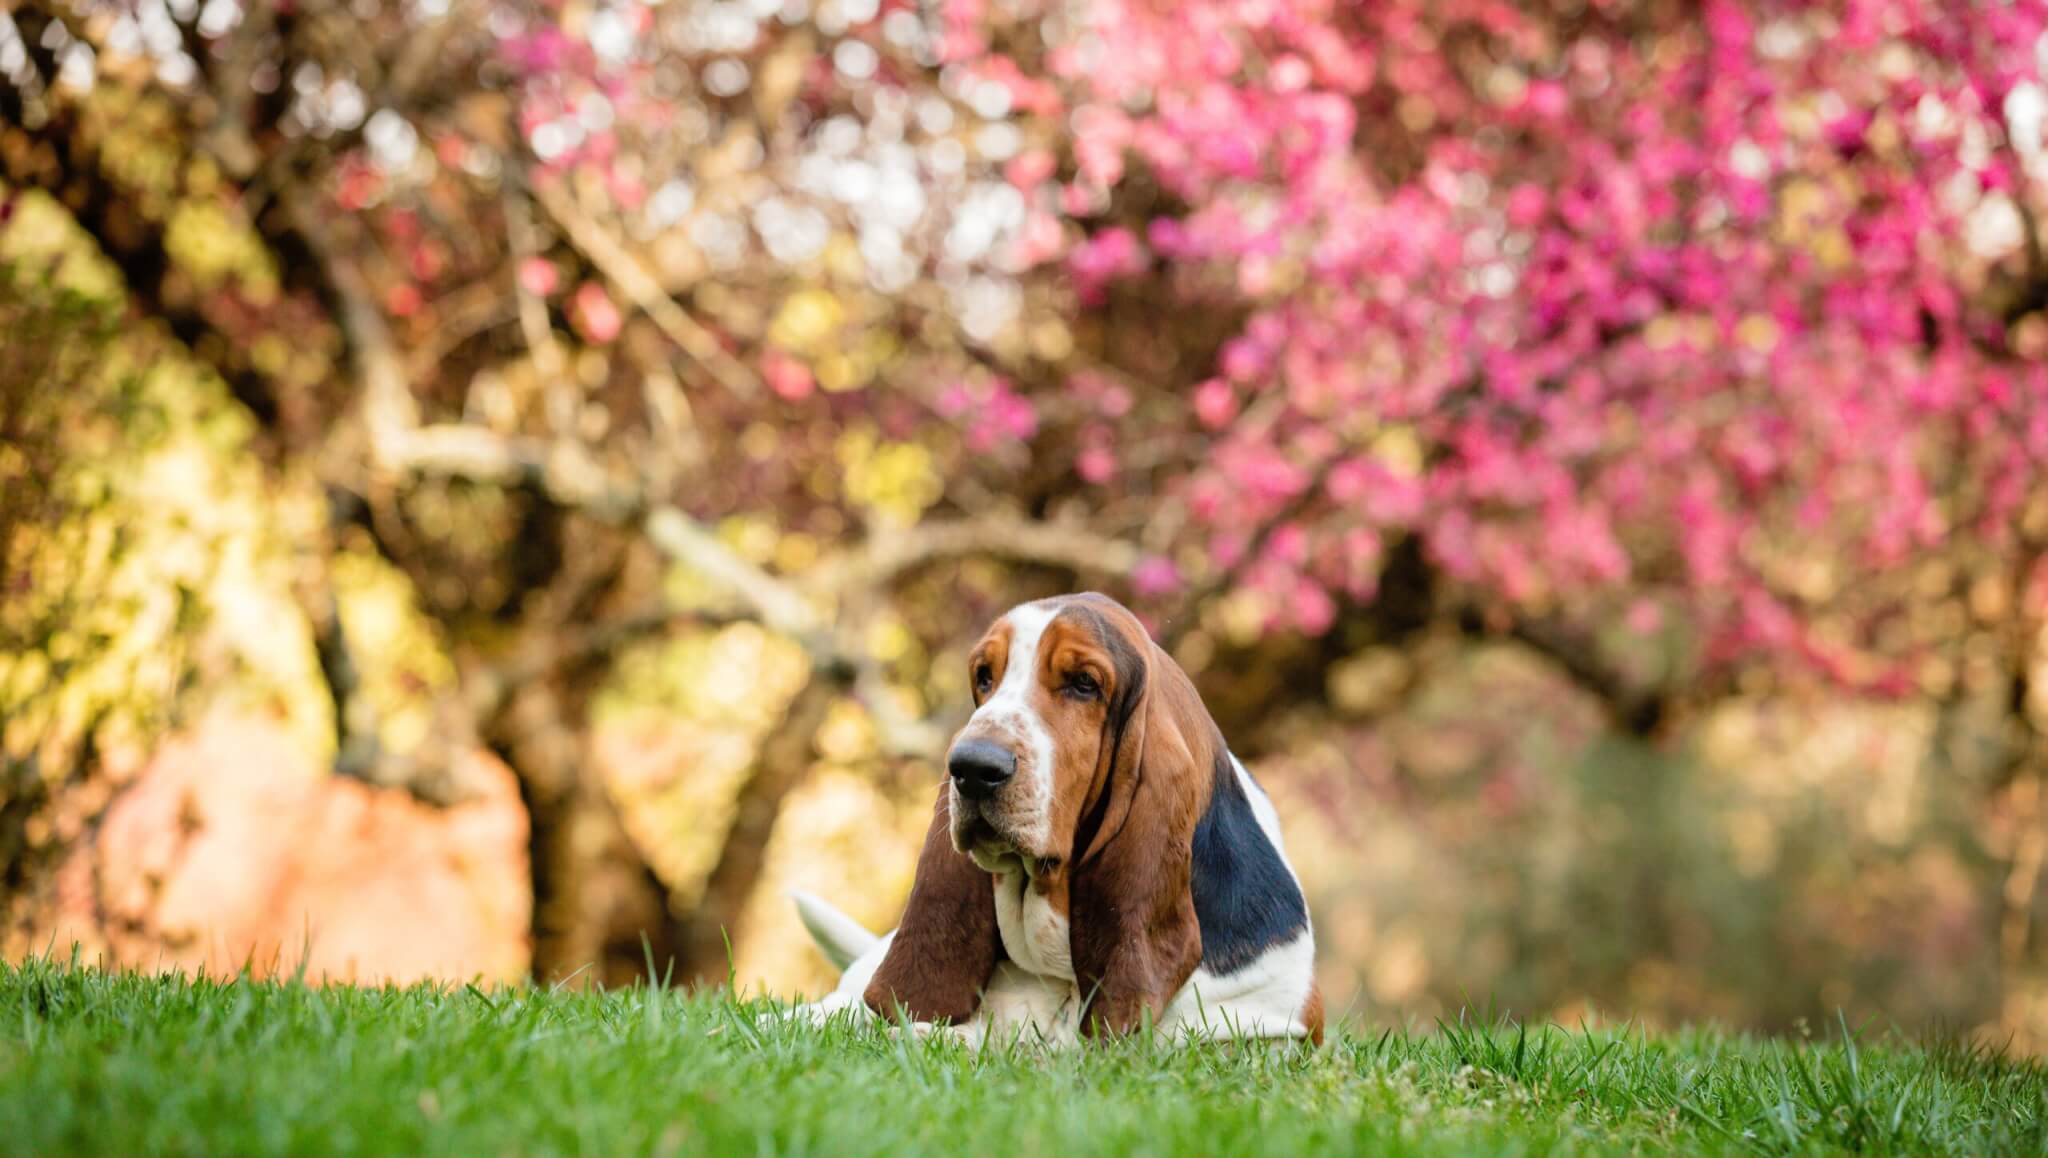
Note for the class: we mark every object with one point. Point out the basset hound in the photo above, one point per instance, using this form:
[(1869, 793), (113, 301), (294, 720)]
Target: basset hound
[(1097, 860)]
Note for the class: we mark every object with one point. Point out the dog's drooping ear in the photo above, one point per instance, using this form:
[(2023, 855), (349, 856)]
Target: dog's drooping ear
[(946, 948), (1135, 936)]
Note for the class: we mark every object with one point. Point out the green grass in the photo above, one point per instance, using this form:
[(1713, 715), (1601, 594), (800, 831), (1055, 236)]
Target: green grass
[(109, 1064)]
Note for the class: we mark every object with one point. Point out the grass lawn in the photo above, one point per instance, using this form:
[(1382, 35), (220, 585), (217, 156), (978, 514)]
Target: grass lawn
[(102, 1064)]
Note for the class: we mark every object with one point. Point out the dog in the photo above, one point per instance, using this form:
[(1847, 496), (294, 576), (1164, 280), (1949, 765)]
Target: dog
[(1097, 861)]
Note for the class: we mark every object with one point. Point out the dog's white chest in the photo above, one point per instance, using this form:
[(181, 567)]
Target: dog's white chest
[(1034, 933)]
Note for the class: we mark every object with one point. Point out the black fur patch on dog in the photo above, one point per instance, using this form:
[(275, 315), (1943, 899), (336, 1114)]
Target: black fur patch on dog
[(1245, 899)]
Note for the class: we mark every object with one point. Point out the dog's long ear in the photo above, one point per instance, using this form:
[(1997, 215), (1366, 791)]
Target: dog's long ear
[(946, 947), (1134, 933)]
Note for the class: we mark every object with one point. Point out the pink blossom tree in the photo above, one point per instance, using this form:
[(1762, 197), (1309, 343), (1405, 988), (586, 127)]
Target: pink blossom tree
[(1725, 318)]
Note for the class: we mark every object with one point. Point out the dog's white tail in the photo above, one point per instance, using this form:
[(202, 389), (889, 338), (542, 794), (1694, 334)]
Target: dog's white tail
[(839, 937)]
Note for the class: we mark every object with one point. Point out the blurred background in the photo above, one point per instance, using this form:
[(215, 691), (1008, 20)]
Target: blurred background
[(503, 489)]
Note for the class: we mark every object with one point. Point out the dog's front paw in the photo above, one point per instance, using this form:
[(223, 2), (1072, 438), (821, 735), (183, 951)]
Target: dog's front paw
[(969, 1034), (819, 1014)]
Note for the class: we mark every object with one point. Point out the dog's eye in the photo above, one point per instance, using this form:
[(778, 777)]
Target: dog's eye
[(1082, 686), (984, 679)]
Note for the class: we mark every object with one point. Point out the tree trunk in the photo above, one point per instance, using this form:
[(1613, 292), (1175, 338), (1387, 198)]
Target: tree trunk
[(784, 758), (2026, 768), (599, 913)]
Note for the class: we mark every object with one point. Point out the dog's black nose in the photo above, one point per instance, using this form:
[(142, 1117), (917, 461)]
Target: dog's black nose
[(979, 768)]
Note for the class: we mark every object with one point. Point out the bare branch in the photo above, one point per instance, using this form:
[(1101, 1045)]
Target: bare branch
[(780, 764), (425, 49), (463, 314), (389, 411), (228, 139), (357, 748), (1639, 710), (564, 472), (623, 269), (781, 607), (533, 312), (891, 553)]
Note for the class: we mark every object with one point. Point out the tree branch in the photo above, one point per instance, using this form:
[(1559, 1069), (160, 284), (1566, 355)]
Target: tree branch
[(624, 270), (1638, 710), (890, 554), (781, 607), (388, 409), (779, 766)]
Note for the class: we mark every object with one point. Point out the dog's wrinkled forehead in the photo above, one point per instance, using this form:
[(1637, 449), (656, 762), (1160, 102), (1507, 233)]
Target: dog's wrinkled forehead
[(1017, 639)]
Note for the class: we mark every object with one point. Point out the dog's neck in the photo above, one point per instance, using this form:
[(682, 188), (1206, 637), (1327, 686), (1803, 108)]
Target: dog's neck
[(1031, 916)]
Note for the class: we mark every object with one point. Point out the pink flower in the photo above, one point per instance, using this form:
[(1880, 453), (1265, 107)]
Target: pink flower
[(1288, 545), (1095, 464), (1215, 403), (1245, 359), (1030, 169), (1111, 254), (993, 411), (1546, 99), (404, 300), (787, 376), (594, 314), (1154, 576), (539, 277), (1040, 241), (628, 191), (1526, 205), (1101, 134), (1116, 401), (1314, 610), (954, 400)]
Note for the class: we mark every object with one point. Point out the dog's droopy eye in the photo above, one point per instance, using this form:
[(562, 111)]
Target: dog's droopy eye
[(1082, 686), (984, 679)]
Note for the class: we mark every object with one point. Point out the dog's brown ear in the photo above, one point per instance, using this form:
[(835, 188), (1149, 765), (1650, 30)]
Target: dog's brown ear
[(946, 947), (1134, 934)]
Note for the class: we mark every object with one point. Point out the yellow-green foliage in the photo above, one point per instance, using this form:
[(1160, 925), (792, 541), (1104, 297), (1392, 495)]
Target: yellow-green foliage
[(686, 716), (402, 663), (151, 549)]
